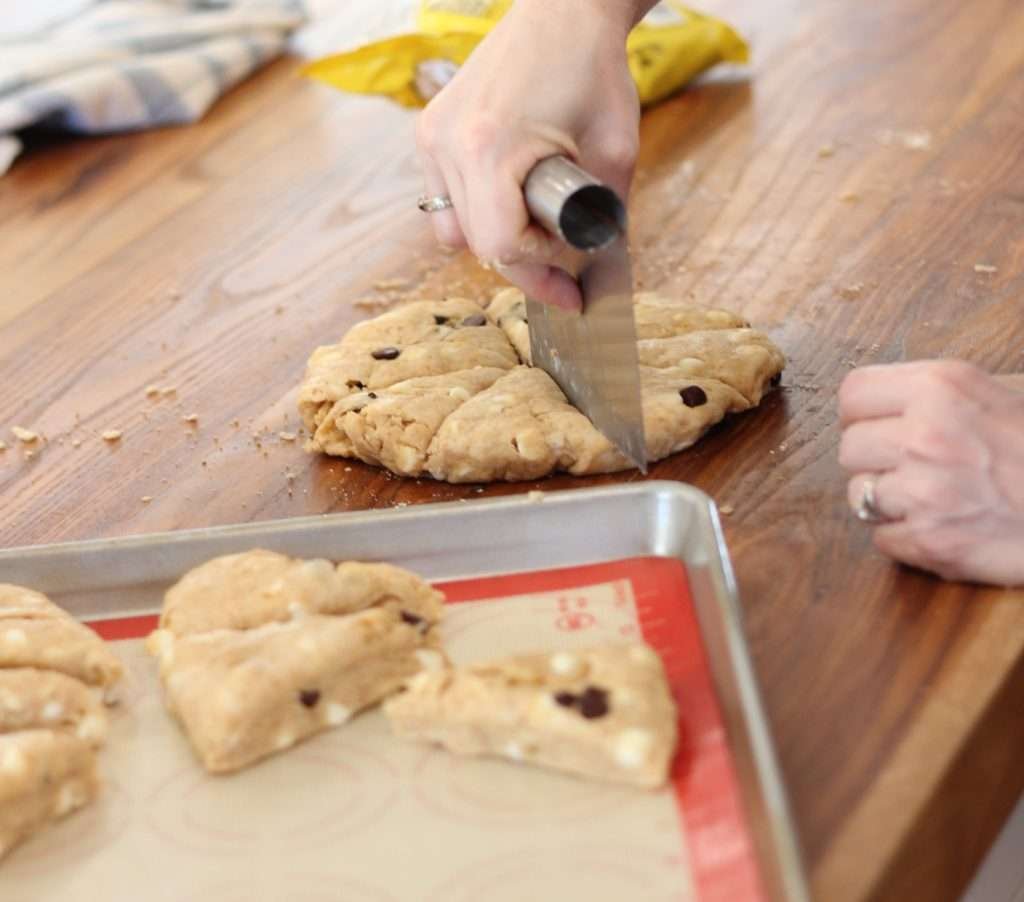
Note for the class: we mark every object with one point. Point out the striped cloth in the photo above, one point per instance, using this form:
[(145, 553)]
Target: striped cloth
[(118, 65)]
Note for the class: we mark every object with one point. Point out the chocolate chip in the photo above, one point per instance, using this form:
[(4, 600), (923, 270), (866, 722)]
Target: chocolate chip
[(440, 320), (593, 703), (372, 396), (411, 619), (693, 396), (309, 697), (477, 319), (355, 383), (777, 379), (566, 699), (385, 353)]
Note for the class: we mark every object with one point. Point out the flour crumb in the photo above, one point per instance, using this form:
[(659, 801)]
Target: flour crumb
[(111, 435), (987, 268), (27, 436)]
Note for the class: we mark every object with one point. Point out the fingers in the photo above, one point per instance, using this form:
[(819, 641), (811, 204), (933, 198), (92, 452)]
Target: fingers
[(887, 390), (871, 445), (544, 283), (445, 223)]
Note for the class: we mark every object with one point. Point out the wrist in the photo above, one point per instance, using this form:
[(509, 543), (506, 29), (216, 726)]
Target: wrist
[(615, 18)]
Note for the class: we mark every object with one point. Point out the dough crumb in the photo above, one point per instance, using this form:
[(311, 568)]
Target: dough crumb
[(535, 496), (3, 445), (826, 151), (145, 499), (152, 391), (191, 418), (985, 268), (111, 435), (849, 197), (287, 436), (851, 291), (169, 391), (30, 454), (76, 443), (390, 284), (726, 509), (25, 435)]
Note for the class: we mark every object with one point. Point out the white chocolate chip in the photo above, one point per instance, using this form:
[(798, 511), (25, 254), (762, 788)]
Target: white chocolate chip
[(9, 701), (296, 610), (633, 748), (514, 751), (92, 728), (52, 711), (284, 740), (162, 641), (643, 654), (13, 761), (15, 637), (335, 715), (564, 664), (458, 393), (431, 661), (306, 645), (70, 797)]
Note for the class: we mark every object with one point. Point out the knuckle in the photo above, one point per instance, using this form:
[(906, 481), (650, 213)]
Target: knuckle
[(930, 492), (478, 137), (943, 378), (427, 130), (620, 152), (495, 249)]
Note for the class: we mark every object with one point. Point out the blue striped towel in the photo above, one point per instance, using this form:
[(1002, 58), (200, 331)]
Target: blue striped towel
[(118, 65)]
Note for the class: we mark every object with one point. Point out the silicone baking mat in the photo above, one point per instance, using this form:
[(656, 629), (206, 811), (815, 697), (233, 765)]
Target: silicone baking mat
[(357, 815)]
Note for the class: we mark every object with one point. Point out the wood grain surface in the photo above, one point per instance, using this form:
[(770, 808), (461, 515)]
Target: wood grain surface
[(840, 195)]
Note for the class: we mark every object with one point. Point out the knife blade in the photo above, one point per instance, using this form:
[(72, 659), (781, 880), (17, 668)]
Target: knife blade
[(592, 355)]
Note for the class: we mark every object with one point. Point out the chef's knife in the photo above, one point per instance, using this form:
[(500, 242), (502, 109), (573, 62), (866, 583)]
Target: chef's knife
[(591, 355)]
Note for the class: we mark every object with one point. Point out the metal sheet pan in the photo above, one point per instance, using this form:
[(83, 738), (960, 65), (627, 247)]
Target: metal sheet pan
[(447, 542)]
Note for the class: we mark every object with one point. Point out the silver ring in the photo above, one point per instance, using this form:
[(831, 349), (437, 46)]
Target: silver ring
[(434, 204), (868, 510)]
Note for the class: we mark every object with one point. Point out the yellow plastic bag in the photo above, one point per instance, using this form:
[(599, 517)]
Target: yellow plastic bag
[(672, 45)]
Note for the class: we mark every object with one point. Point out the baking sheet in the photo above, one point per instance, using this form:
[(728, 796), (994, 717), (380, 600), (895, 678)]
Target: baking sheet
[(355, 814)]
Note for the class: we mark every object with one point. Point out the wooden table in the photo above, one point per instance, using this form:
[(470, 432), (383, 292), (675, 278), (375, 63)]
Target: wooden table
[(840, 198)]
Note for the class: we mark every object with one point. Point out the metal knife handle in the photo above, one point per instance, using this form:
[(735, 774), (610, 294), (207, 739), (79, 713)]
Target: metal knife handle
[(573, 205)]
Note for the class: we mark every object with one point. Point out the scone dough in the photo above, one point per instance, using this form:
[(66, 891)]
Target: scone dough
[(445, 389), (258, 651), (53, 673), (604, 713)]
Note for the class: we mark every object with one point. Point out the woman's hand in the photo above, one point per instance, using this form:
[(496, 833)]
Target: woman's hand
[(944, 444), (551, 78)]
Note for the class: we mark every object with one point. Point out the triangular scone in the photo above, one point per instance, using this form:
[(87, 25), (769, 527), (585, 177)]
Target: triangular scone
[(244, 693), (34, 632), (44, 775), (53, 672), (605, 713), (241, 591)]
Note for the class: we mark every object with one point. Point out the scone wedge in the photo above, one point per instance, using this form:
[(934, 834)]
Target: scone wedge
[(258, 651), (605, 713)]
